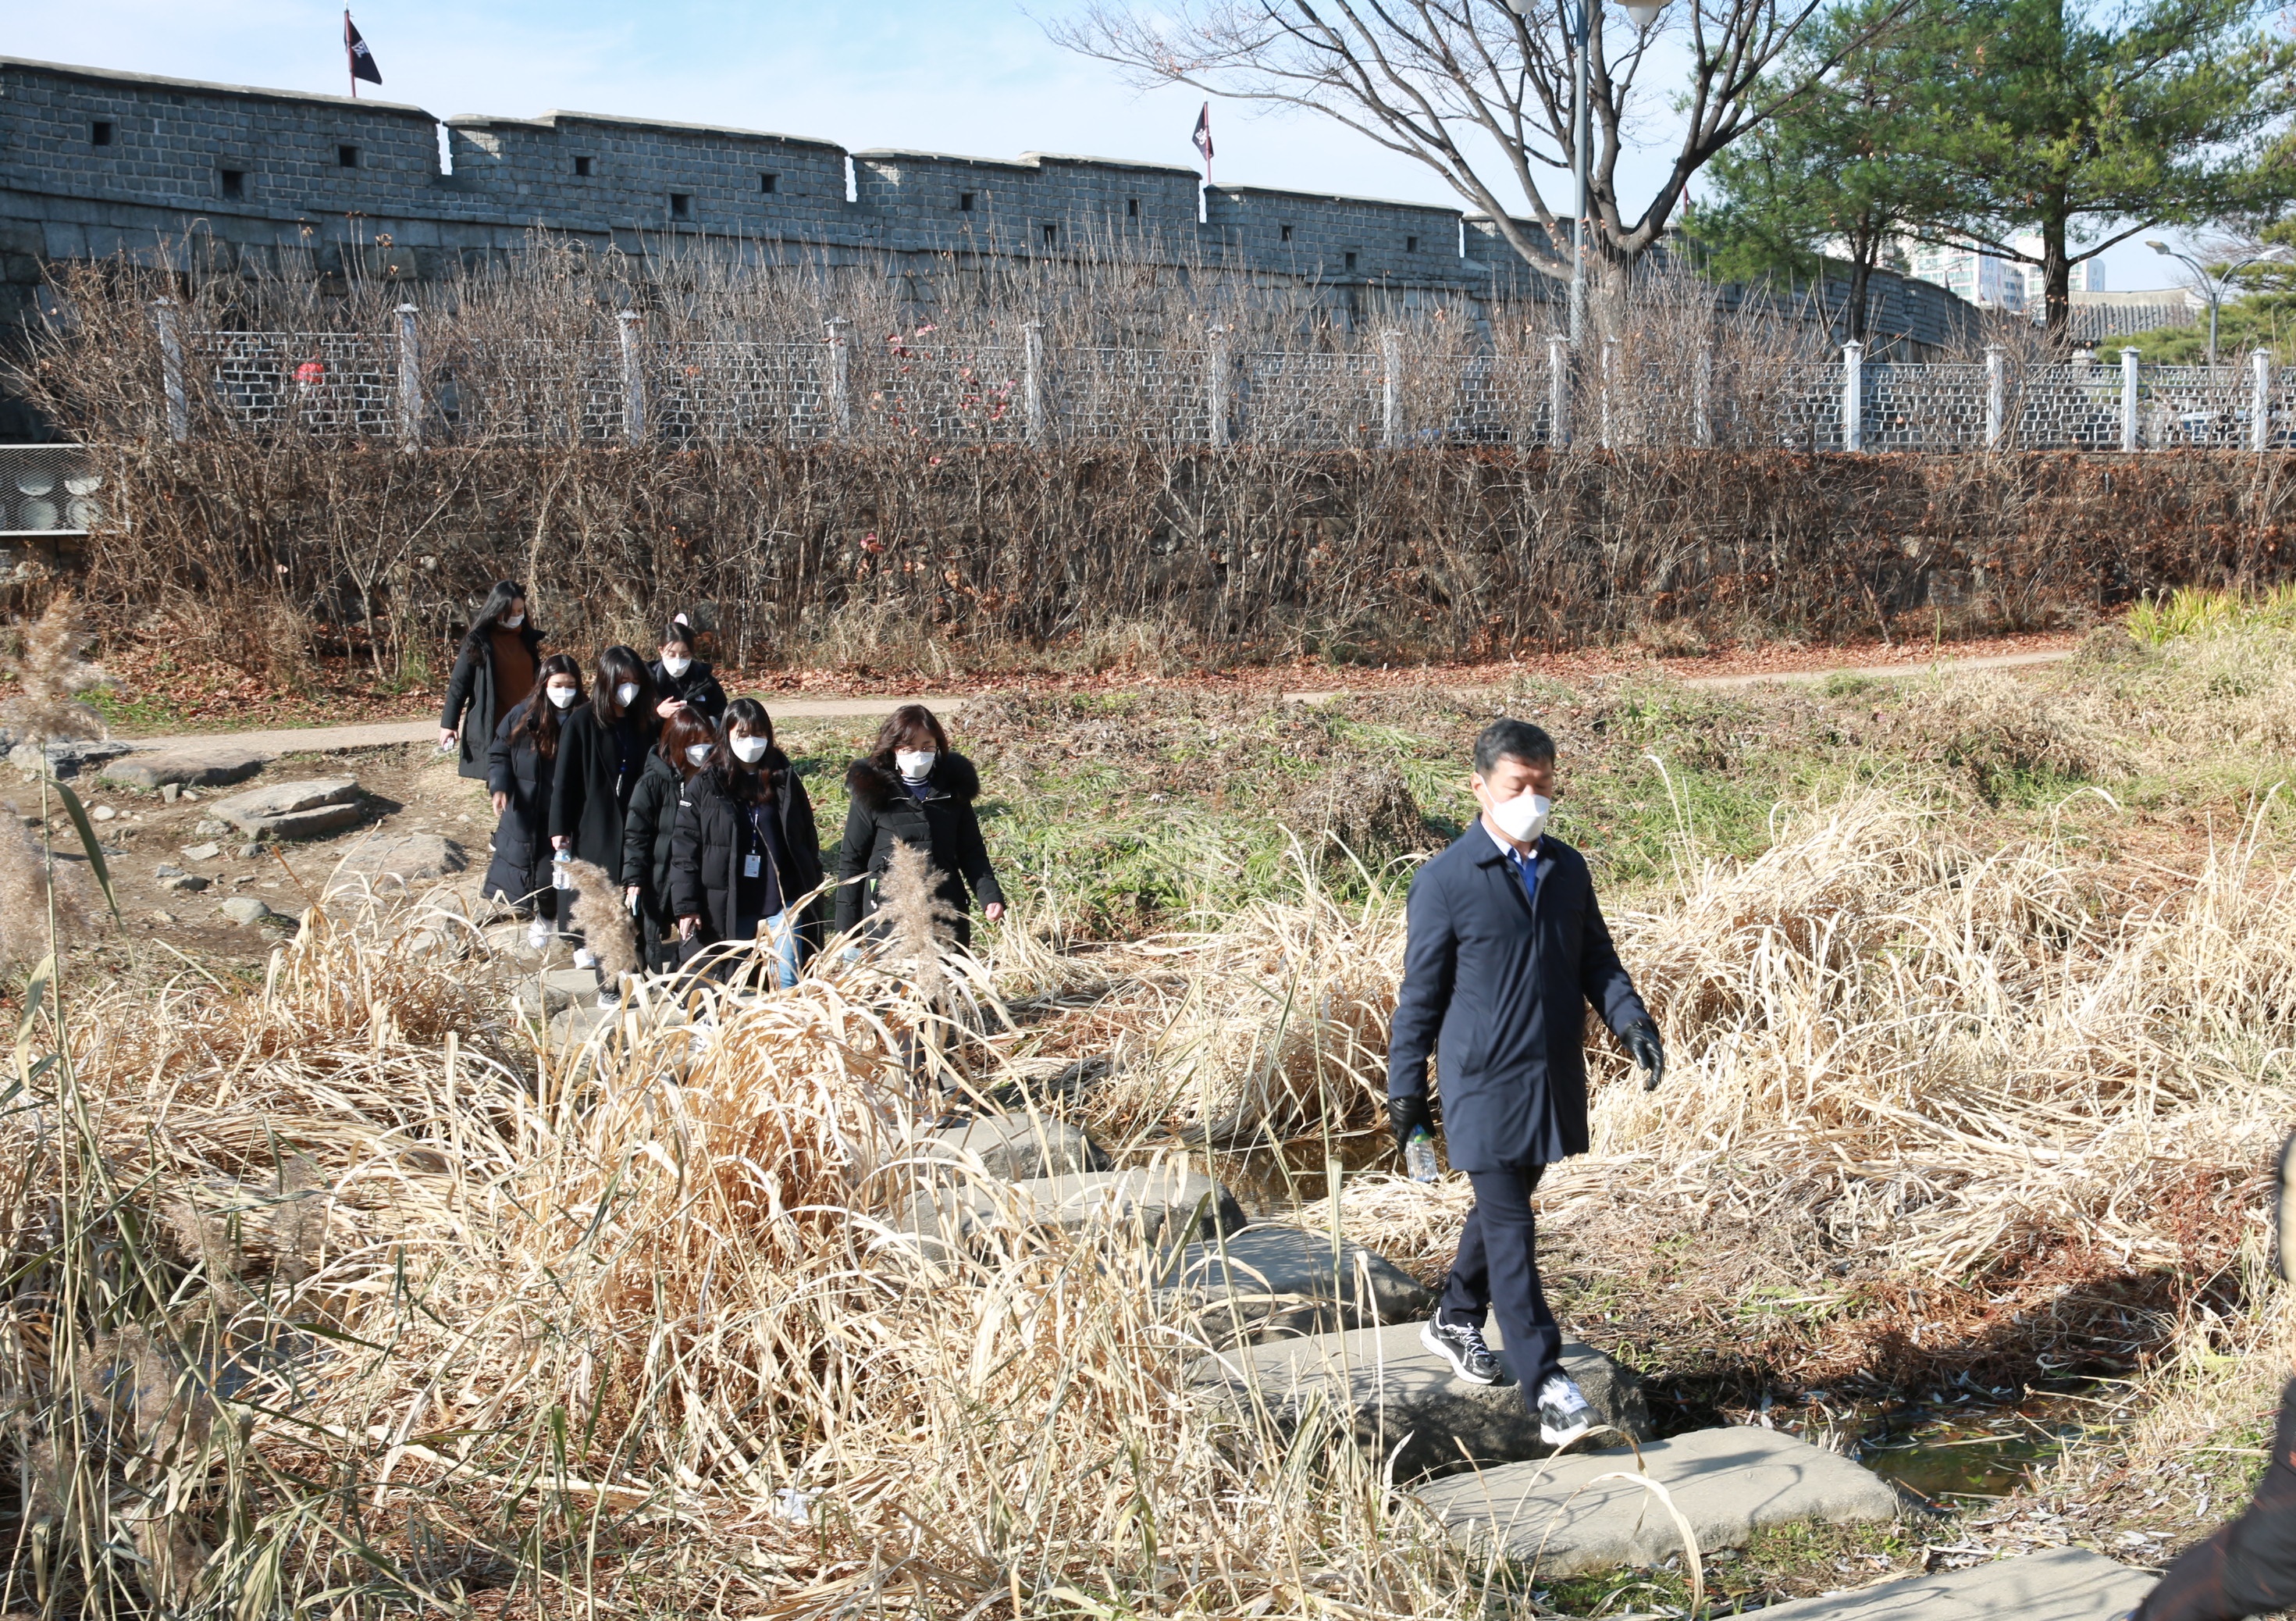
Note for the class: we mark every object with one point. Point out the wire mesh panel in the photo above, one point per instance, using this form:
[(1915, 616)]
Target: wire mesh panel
[(1480, 400), (951, 393), (1154, 395), (534, 392), (769, 394), (48, 490), (2195, 405), (1924, 408), (1311, 401), (2062, 408), (335, 383), (1791, 405)]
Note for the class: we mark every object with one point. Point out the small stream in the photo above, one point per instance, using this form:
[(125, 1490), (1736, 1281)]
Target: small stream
[(1961, 1445)]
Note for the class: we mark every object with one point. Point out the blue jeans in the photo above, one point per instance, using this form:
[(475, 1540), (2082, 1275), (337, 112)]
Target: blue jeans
[(780, 943)]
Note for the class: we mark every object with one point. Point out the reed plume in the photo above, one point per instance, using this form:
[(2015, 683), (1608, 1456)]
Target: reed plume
[(919, 921), (600, 919), (52, 676), (30, 879)]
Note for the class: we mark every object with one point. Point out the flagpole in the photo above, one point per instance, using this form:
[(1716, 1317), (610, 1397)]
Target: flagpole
[(350, 63)]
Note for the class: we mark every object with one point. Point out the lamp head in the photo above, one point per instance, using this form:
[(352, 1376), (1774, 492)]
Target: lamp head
[(2158, 247), (1520, 8), (1645, 12)]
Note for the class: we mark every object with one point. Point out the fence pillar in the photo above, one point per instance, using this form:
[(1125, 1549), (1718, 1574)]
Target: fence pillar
[(1216, 385), (1701, 396), (1558, 391), (634, 399), (840, 378), (410, 379), (172, 370), (1390, 393), (1996, 395), (2259, 404), (1032, 380), (1853, 395), (2128, 400)]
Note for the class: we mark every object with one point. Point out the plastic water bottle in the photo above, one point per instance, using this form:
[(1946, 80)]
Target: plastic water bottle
[(560, 877), (1419, 1157)]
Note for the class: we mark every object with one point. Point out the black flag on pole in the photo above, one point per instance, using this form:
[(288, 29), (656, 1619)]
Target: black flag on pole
[(1202, 138), (362, 59)]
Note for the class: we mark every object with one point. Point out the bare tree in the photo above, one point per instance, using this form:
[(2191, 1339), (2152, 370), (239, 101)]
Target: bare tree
[(1438, 80)]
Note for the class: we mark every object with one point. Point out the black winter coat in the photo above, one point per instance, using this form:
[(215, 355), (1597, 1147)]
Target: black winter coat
[(1505, 984), (647, 827), (599, 764), (942, 824), (706, 854), (520, 867), (698, 686), (471, 690)]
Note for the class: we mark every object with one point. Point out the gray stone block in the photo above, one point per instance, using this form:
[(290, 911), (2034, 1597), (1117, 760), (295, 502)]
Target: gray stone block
[(294, 810), (556, 990), (1015, 1147), (2060, 1584), (245, 910), (1275, 1282), (1409, 1406), (1156, 1202), (66, 760), (216, 768), (402, 857), (1561, 1514)]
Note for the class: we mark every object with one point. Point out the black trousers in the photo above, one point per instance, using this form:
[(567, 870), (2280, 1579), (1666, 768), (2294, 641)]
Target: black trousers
[(2249, 1567), (1497, 1270)]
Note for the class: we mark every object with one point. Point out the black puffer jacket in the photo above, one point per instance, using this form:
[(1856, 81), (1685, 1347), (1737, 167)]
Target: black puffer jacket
[(942, 824), (647, 827), (706, 854), (599, 765), (520, 867), (698, 686), (471, 696)]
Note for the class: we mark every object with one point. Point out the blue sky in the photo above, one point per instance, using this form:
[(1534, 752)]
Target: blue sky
[(967, 76)]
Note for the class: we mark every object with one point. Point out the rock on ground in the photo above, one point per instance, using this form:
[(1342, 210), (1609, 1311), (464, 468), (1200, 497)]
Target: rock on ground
[(2060, 1584), (402, 856), (1273, 1281), (1155, 1201), (1015, 1147), (294, 810), (65, 760), (216, 768), (1411, 1407), (244, 909), (556, 990), (1728, 1484)]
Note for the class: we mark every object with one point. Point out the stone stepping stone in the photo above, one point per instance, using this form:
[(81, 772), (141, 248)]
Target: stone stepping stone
[(67, 759), (556, 990), (1728, 1483), (2061, 1585), (217, 767), (1158, 1202), (404, 857), (1016, 1147), (1410, 1408), (1273, 1281), (294, 810)]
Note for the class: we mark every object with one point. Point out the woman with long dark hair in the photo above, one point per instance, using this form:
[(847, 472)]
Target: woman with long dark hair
[(681, 678), (520, 766), (600, 760), (747, 852), (688, 744), (918, 791), (494, 671)]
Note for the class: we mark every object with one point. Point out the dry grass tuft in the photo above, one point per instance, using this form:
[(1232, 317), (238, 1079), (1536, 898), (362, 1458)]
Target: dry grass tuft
[(1990, 729), (36, 890)]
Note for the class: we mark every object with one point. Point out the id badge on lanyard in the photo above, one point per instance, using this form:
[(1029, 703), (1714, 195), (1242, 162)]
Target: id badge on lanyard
[(751, 865)]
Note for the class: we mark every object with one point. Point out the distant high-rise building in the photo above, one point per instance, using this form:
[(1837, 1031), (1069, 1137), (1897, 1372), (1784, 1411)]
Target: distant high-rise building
[(2087, 276), (1985, 280)]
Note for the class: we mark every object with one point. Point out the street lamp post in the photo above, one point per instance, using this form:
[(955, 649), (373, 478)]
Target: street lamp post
[(2212, 287), (1579, 17)]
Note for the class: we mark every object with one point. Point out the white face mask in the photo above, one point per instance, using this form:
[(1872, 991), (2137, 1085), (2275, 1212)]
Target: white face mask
[(916, 765), (698, 753), (626, 694), (676, 665), (512, 621), (1523, 818), (750, 750), (563, 696)]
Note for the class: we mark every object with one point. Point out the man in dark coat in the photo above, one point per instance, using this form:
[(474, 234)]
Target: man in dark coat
[(1506, 947)]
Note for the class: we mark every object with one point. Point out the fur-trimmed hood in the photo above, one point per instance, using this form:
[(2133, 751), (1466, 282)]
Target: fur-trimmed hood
[(875, 785)]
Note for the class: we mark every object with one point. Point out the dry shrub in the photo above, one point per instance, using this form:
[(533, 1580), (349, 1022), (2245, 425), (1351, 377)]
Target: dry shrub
[(1367, 815), (1990, 729)]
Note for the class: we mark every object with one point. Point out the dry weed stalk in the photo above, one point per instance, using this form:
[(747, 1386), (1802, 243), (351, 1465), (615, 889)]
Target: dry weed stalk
[(50, 676)]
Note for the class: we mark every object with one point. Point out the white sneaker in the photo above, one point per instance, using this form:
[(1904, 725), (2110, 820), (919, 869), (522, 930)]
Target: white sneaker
[(1563, 1415), (537, 935), (585, 958)]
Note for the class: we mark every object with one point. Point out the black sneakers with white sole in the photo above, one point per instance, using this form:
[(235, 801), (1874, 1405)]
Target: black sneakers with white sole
[(1463, 1348), (1563, 1415)]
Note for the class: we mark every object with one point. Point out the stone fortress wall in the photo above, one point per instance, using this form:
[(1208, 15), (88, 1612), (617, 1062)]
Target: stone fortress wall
[(96, 164)]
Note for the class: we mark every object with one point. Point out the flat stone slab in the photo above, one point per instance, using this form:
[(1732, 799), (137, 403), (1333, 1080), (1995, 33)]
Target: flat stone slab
[(1274, 1281), (294, 810), (403, 856), (1015, 1147), (556, 990), (66, 759), (217, 767), (1728, 1483), (2061, 1585), (246, 909), (1409, 1406), (1157, 1201)]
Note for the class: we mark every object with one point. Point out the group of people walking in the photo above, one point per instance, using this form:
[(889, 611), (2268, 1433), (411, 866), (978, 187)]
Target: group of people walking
[(646, 770)]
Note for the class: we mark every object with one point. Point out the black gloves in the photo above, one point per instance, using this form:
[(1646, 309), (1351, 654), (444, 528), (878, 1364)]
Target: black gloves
[(1406, 1112), (1640, 1042)]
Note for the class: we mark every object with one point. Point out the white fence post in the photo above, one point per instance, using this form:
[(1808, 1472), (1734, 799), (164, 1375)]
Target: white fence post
[(410, 379), (840, 378), (1996, 395), (1216, 385), (1558, 391), (1701, 396), (2128, 400), (1032, 380), (172, 370), (2259, 407), (1391, 395), (634, 399), (1853, 395)]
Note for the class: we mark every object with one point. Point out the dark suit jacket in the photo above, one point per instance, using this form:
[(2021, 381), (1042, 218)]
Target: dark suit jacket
[(1499, 989)]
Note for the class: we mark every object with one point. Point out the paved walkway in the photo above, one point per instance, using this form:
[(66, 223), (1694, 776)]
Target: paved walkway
[(326, 739)]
